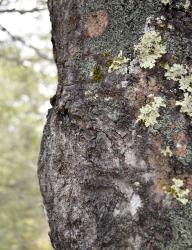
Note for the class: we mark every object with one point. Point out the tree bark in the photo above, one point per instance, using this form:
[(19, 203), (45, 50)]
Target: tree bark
[(102, 173)]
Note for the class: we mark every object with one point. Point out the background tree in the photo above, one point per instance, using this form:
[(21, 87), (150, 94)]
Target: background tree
[(25, 60), (115, 161)]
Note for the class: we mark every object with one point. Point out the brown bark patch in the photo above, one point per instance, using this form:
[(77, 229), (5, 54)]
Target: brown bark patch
[(161, 164), (172, 102), (189, 184), (73, 50), (73, 22), (96, 23), (146, 86), (181, 151), (181, 144)]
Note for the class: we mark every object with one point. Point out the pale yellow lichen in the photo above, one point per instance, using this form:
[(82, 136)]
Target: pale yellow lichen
[(165, 2), (186, 104), (150, 112), (136, 184), (180, 73), (167, 151), (176, 72), (170, 26), (149, 49), (177, 191), (186, 83), (118, 62), (187, 5)]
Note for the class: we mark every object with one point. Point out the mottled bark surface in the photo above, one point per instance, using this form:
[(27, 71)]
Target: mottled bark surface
[(101, 171)]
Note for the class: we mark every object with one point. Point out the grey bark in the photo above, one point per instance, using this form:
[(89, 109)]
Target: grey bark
[(100, 171)]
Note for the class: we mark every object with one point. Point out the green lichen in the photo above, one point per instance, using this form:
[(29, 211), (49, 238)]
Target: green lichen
[(106, 53), (177, 191), (149, 49), (122, 32), (164, 126), (97, 74), (187, 159), (150, 112), (111, 111), (118, 62), (181, 225), (85, 67)]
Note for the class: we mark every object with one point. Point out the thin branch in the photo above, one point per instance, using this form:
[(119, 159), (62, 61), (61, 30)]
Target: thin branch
[(22, 11), (19, 39)]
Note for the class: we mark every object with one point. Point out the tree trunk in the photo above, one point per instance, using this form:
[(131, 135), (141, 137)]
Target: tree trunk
[(107, 179)]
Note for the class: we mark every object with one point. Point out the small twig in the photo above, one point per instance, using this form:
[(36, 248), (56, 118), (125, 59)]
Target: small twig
[(22, 11), (19, 39)]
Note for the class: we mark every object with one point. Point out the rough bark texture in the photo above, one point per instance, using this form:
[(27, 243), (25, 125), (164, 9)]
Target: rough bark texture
[(101, 171)]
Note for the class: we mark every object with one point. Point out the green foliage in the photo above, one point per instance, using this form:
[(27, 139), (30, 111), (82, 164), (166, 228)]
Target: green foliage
[(22, 220), (150, 112), (149, 49)]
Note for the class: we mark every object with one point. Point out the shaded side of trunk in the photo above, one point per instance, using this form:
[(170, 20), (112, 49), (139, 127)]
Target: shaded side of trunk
[(105, 177)]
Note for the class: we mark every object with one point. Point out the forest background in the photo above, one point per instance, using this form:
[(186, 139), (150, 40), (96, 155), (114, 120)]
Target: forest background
[(28, 80)]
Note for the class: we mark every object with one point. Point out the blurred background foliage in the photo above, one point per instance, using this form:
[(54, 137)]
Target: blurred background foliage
[(28, 79)]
